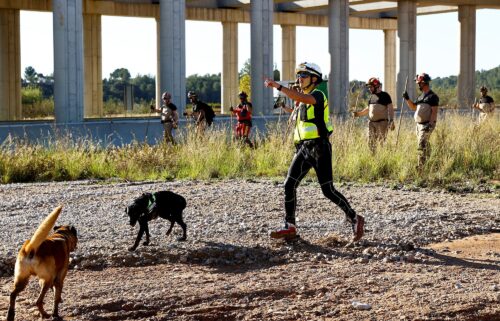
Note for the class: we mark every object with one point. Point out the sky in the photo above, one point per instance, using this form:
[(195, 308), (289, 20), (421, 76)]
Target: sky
[(131, 43)]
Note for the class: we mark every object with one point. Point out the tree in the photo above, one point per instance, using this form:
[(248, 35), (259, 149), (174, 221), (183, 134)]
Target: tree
[(276, 73), (120, 74), (30, 75), (246, 69), (207, 87), (144, 88), (114, 87), (246, 85)]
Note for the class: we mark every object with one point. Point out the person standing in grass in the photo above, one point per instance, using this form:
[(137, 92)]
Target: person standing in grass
[(313, 149), (426, 112), (202, 113), (380, 114), (169, 116), (485, 105), (243, 114)]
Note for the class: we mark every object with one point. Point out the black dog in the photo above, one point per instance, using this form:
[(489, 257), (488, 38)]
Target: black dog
[(149, 206)]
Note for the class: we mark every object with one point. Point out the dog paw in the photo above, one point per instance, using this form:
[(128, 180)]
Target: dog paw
[(181, 239)]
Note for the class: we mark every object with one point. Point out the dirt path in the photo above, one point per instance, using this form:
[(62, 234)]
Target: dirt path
[(437, 260), (459, 282)]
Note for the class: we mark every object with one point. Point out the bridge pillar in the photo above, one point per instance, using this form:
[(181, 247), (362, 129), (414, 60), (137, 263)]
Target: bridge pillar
[(230, 78), (172, 54), (68, 60), (288, 52), (10, 65), (407, 33), (390, 64), (93, 66), (338, 84), (261, 29), (467, 73)]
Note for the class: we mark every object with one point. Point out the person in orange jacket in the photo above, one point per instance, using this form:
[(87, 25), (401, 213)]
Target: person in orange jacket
[(243, 114)]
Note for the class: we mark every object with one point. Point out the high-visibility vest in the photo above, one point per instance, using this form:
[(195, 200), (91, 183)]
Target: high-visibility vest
[(305, 128)]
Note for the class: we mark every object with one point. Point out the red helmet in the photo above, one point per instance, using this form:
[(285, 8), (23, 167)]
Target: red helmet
[(373, 82), (423, 77)]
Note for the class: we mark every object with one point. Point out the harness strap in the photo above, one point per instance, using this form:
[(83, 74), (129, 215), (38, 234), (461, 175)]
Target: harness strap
[(151, 203)]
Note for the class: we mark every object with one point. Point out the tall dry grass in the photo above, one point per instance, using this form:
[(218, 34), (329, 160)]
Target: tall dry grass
[(461, 150)]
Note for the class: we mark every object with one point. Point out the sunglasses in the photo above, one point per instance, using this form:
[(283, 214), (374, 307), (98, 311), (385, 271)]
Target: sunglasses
[(303, 75)]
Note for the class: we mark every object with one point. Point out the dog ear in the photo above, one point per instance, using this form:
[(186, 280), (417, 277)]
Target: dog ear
[(73, 230)]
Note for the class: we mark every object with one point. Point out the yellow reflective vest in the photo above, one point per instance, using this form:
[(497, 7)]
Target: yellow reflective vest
[(305, 124)]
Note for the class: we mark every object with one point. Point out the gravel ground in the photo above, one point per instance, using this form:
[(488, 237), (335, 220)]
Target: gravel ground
[(229, 269)]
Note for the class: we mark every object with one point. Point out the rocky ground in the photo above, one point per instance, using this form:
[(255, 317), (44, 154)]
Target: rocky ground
[(427, 254)]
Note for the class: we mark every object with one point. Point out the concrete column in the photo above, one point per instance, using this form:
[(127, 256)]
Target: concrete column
[(230, 79), (10, 65), (288, 52), (261, 29), (407, 33), (467, 73), (338, 34), (158, 65), (93, 66), (390, 64), (68, 60), (173, 50)]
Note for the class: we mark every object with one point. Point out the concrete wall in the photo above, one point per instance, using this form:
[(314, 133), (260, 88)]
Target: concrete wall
[(118, 131)]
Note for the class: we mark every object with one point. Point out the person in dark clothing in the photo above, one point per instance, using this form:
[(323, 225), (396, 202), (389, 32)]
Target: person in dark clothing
[(426, 112), (313, 149), (202, 113)]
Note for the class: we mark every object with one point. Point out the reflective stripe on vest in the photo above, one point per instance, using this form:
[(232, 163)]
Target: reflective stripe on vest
[(305, 130)]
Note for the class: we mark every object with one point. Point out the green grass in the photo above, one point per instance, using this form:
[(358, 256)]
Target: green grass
[(461, 152)]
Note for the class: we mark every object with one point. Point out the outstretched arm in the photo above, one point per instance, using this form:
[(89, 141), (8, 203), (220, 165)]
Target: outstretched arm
[(303, 98)]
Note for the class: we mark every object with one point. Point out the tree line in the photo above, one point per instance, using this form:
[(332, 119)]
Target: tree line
[(208, 87)]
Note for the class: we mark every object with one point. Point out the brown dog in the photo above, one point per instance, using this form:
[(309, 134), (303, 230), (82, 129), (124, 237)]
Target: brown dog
[(47, 257)]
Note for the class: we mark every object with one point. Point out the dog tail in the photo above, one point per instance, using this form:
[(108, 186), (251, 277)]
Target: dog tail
[(43, 230)]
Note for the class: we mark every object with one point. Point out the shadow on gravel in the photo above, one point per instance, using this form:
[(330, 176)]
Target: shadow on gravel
[(450, 260), (229, 258)]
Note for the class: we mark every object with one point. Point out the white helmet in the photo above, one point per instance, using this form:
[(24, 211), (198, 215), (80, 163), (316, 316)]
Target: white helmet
[(311, 68)]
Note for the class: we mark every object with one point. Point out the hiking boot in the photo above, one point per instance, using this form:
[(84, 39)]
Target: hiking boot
[(358, 228), (289, 231)]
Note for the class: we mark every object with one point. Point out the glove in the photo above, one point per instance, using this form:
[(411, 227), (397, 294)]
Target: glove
[(231, 108), (152, 107), (405, 95), (392, 126)]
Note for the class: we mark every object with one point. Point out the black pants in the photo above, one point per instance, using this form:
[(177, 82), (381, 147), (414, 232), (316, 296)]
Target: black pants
[(315, 154)]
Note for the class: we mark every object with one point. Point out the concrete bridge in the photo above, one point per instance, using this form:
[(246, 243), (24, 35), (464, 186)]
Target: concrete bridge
[(77, 48)]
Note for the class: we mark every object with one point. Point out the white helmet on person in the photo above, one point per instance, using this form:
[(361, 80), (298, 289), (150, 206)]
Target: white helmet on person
[(311, 68), (166, 96)]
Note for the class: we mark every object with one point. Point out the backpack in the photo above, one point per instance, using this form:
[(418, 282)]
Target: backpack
[(209, 114)]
